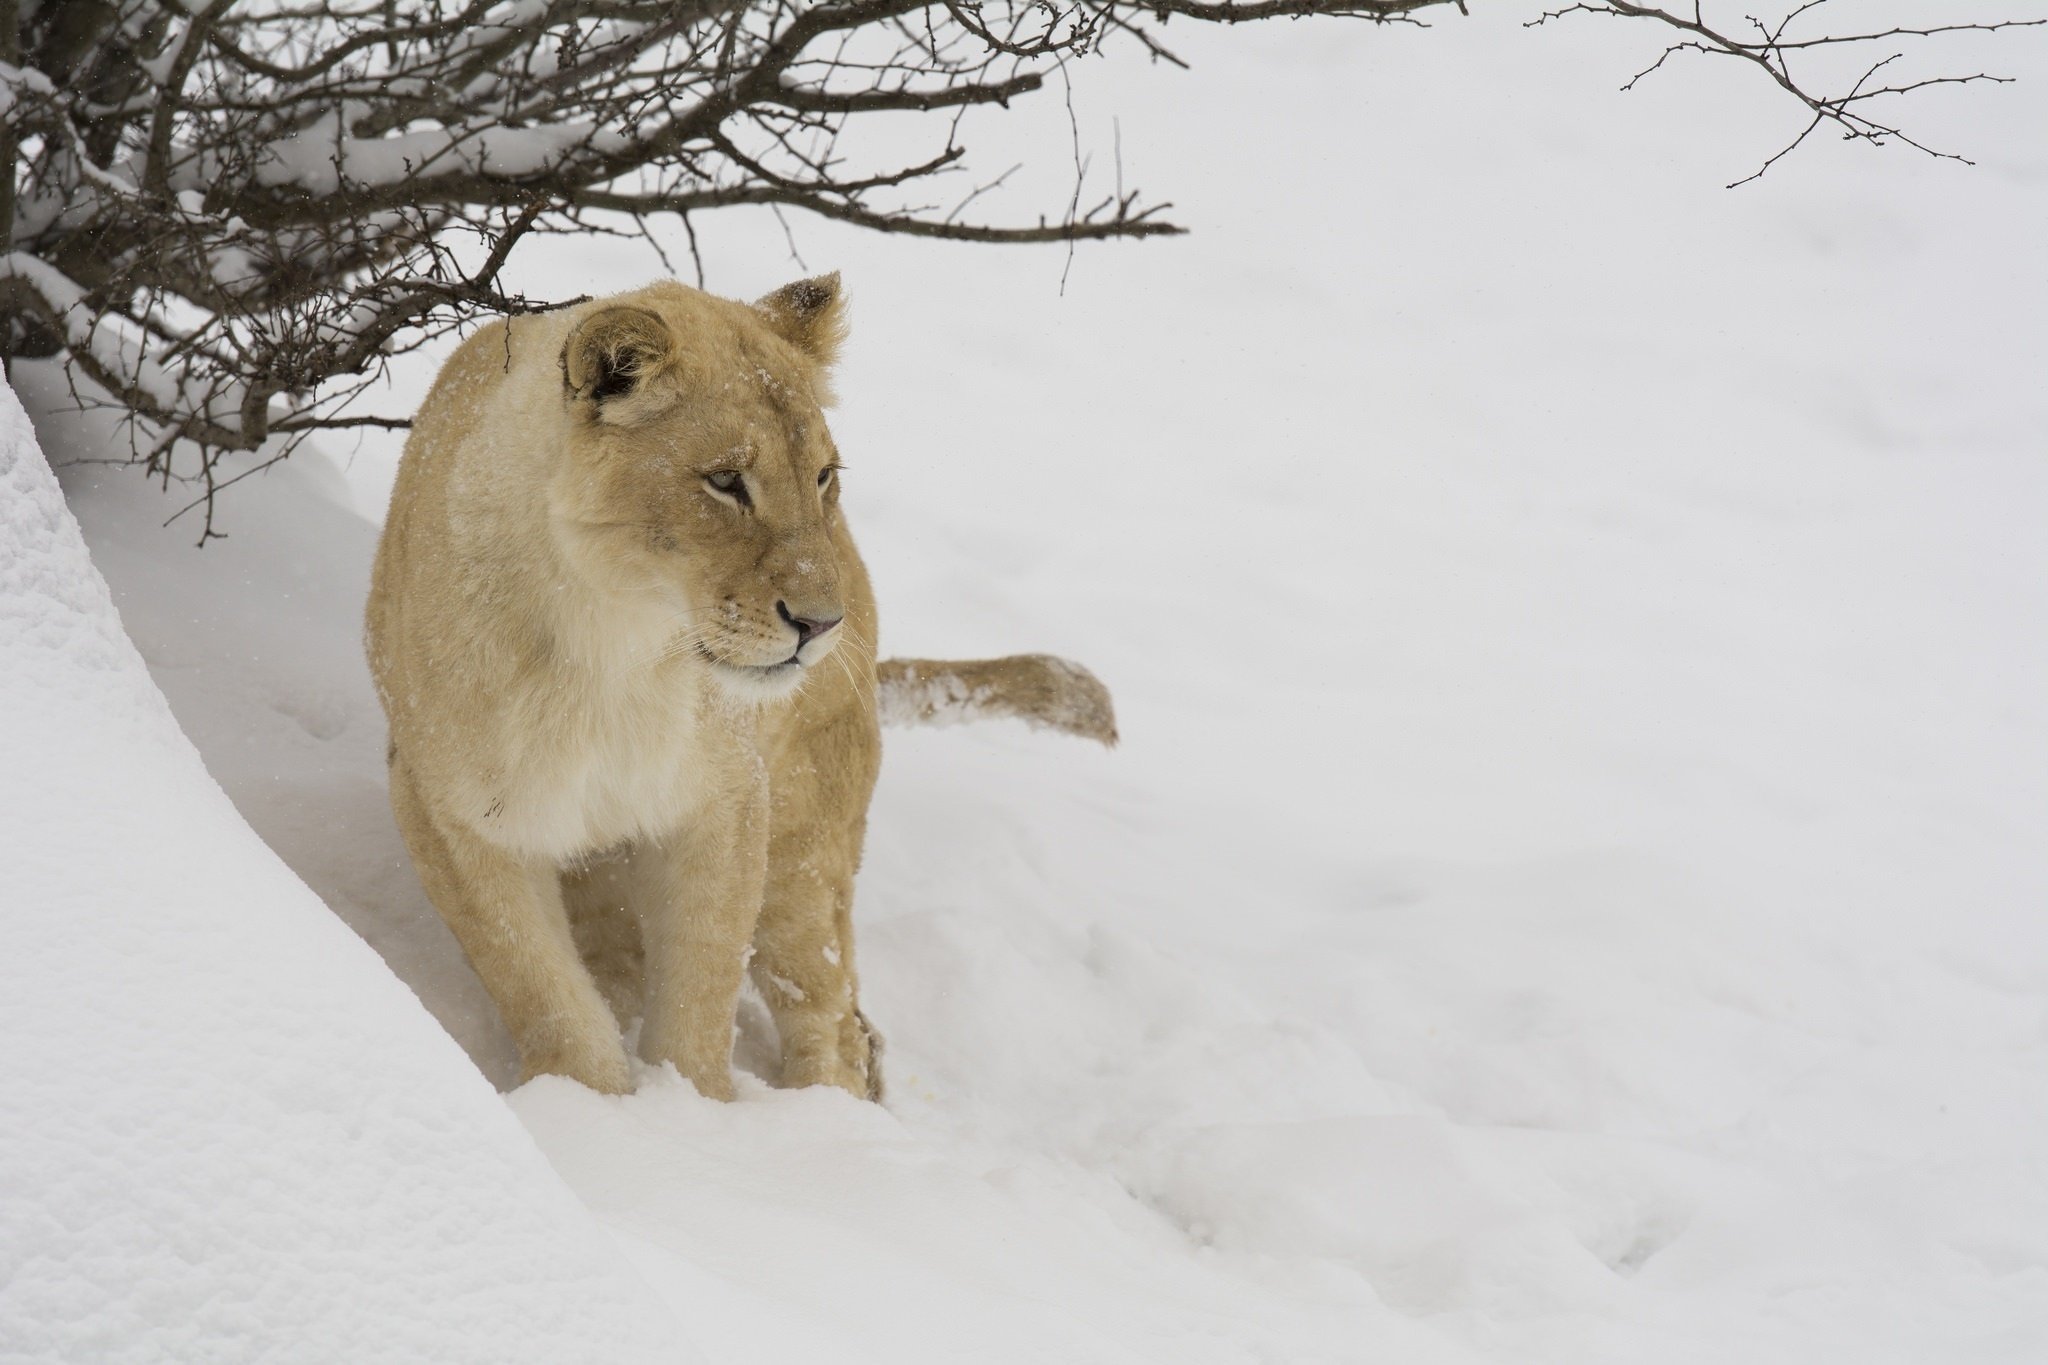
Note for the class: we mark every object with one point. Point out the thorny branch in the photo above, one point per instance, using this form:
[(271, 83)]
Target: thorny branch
[(227, 215)]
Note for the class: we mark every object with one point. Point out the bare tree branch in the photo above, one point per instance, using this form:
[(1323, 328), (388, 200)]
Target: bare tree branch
[(227, 216), (1769, 50)]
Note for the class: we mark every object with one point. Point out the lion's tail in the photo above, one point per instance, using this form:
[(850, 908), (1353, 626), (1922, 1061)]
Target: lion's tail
[(1042, 691)]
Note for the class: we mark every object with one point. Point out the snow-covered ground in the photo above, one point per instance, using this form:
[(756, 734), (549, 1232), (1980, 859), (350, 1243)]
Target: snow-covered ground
[(226, 1133), (1572, 887)]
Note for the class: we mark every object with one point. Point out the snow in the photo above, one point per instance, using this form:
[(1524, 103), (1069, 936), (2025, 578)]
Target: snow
[(229, 1133), (323, 159), (1570, 886)]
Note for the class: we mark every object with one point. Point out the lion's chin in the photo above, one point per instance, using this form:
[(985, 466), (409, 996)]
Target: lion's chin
[(759, 685)]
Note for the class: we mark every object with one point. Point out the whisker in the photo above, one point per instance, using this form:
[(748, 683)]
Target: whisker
[(853, 679), (847, 669), (684, 640)]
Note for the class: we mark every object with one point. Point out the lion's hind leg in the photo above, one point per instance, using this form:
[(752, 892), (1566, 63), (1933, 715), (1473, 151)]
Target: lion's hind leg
[(803, 967)]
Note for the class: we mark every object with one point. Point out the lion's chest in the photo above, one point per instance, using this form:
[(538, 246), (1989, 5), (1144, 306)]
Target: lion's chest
[(596, 766)]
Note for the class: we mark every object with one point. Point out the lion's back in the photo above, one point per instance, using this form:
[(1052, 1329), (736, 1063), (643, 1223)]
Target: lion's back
[(474, 379)]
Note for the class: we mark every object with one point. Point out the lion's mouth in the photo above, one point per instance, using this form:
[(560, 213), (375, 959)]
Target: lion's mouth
[(792, 663), (789, 665), (758, 682)]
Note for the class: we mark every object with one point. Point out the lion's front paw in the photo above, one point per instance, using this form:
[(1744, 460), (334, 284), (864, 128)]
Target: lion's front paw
[(713, 1082), (604, 1069), (708, 1069)]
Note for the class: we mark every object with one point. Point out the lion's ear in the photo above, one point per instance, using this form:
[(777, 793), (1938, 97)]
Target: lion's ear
[(610, 354), (810, 315)]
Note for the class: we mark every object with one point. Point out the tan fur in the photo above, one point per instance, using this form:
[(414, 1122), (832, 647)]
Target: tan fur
[(622, 769), (1043, 691)]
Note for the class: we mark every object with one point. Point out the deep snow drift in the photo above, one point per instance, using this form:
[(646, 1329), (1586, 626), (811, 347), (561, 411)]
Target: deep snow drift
[(228, 1133), (1571, 886)]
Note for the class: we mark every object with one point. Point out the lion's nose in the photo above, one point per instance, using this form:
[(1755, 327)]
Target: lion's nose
[(808, 628)]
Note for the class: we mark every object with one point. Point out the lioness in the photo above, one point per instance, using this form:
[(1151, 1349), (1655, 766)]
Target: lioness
[(627, 652)]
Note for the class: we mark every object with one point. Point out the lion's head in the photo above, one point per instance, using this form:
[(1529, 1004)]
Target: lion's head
[(700, 472)]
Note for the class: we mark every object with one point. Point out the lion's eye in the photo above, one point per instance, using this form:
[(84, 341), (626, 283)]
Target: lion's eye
[(729, 483), (825, 475)]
